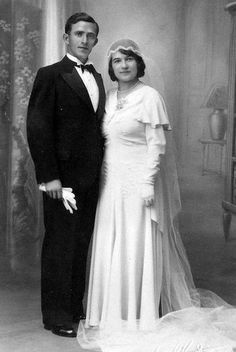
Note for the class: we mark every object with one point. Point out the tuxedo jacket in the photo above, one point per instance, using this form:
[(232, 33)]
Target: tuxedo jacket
[(63, 130)]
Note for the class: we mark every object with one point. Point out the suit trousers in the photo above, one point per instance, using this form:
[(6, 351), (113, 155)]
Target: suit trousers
[(64, 254)]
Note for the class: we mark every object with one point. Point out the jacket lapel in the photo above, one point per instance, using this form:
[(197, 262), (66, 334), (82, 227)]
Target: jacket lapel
[(101, 103), (75, 82), (73, 79)]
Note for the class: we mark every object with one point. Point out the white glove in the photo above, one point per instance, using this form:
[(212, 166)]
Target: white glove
[(68, 197), (147, 193)]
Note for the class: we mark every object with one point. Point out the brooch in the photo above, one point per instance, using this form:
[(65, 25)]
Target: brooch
[(120, 103)]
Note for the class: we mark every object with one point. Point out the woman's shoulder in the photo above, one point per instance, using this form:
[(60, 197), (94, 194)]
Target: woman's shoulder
[(150, 92), (153, 108), (150, 96)]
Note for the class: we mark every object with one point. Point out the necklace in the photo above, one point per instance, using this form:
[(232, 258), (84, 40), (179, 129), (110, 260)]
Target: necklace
[(125, 91), (121, 101)]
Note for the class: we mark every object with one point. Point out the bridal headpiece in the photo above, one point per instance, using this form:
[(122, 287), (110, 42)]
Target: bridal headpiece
[(125, 44)]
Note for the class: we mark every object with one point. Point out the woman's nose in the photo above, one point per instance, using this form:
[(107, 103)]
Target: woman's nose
[(124, 63)]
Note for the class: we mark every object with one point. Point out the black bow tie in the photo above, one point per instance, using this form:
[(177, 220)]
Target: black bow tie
[(89, 68)]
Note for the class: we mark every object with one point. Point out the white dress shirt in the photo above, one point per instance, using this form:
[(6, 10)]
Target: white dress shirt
[(88, 80)]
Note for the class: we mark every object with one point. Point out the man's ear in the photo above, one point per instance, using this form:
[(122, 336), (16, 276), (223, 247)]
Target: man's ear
[(96, 41), (65, 38)]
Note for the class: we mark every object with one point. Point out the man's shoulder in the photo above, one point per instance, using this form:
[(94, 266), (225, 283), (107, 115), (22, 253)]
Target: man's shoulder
[(49, 72), (51, 68)]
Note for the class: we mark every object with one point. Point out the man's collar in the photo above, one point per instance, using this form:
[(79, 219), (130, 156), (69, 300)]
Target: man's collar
[(73, 58)]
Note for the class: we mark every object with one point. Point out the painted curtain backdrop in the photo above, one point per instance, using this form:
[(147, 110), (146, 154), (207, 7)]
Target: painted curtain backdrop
[(20, 47), (24, 44), (5, 50), (24, 235)]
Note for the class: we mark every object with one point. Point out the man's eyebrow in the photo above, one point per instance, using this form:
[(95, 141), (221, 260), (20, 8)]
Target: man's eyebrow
[(81, 31)]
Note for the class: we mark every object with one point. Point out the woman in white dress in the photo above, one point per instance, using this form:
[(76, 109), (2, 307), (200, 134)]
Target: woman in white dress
[(139, 270)]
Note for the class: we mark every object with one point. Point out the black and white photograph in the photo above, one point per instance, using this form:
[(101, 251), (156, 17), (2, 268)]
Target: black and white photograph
[(117, 175)]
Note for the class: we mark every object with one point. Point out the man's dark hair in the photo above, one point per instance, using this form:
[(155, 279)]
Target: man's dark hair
[(77, 17), (140, 64)]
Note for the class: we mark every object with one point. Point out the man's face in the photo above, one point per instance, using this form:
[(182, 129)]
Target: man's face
[(81, 40)]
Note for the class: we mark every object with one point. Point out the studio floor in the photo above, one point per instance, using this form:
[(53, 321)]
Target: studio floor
[(213, 263)]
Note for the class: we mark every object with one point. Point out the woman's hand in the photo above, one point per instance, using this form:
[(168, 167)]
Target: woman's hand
[(147, 193), (54, 189)]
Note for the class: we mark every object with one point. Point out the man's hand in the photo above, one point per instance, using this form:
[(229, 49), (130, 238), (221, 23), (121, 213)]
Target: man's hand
[(54, 189)]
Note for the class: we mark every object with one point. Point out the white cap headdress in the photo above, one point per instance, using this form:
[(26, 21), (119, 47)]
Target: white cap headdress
[(125, 44)]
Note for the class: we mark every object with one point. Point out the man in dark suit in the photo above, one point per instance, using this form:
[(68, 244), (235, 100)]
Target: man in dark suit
[(64, 135)]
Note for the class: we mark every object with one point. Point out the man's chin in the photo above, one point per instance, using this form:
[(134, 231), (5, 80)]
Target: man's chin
[(83, 56)]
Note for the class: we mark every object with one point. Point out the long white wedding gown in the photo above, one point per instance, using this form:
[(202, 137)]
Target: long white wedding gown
[(139, 267)]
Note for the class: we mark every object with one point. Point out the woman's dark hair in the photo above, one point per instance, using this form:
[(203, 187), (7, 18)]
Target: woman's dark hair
[(77, 17), (140, 64)]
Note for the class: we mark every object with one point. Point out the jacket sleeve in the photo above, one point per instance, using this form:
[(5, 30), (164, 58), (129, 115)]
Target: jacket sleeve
[(41, 126)]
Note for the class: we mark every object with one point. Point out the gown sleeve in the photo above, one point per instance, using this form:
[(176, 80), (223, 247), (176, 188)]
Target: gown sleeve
[(156, 142), (155, 118), (153, 111)]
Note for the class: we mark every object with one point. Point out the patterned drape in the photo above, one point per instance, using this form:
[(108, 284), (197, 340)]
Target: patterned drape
[(22, 52), (20, 31), (5, 49), (23, 236)]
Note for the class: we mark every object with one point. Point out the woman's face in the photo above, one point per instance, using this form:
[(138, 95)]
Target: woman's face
[(125, 67)]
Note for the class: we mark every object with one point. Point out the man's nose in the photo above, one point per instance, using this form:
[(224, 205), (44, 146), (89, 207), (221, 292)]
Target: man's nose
[(84, 38)]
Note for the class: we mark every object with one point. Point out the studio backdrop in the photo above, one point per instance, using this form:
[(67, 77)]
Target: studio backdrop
[(30, 37)]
